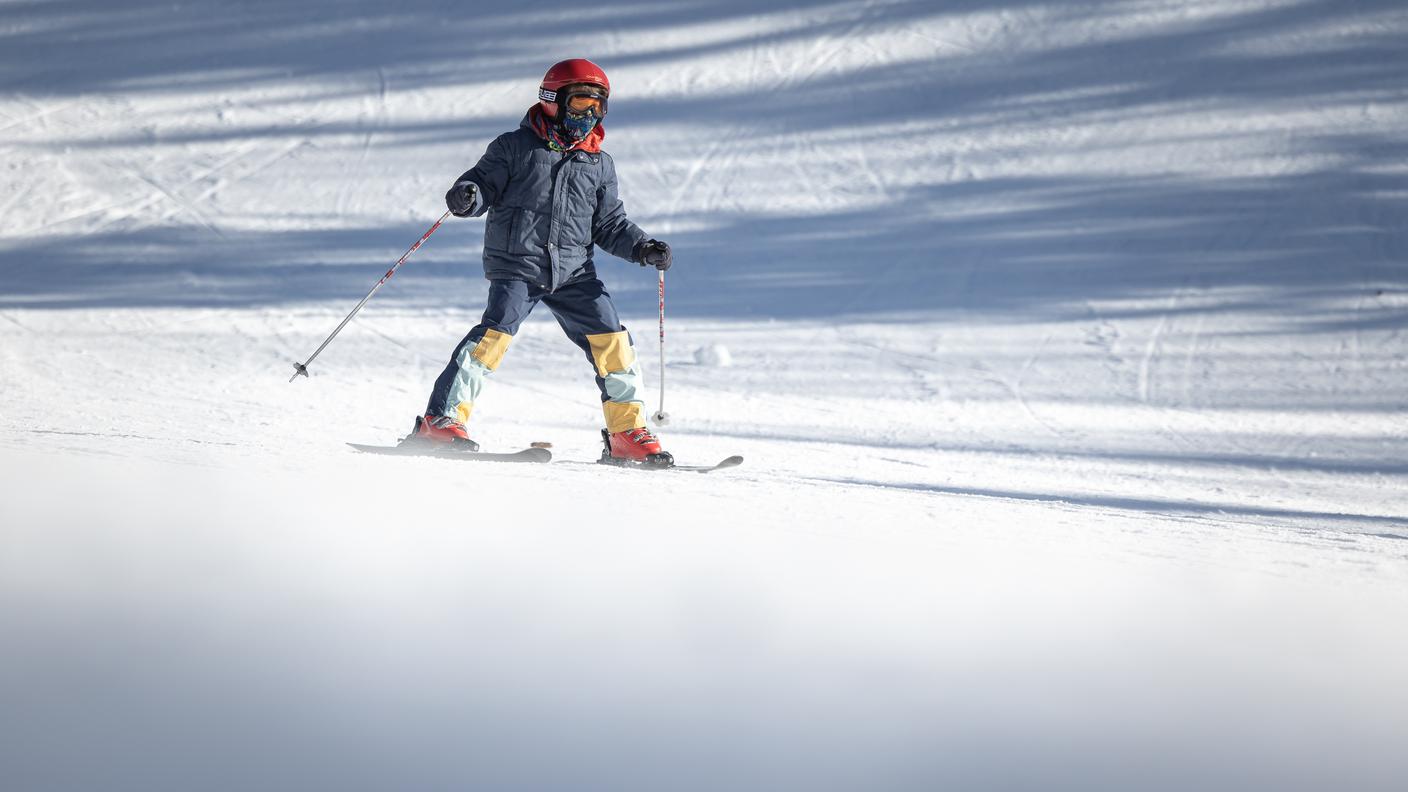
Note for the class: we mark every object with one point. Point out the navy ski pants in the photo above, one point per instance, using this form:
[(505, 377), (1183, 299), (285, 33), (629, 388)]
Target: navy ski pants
[(588, 317)]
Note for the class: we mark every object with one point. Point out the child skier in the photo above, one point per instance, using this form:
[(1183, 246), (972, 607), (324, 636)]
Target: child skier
[(550, 194)]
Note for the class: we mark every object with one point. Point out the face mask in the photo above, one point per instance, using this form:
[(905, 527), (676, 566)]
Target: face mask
[(578, 126)]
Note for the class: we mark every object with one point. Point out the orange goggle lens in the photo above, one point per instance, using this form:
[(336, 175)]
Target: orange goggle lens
[(581, 103)]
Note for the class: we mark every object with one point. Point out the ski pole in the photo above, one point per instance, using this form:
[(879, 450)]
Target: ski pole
[(302, 368), (661, 417)]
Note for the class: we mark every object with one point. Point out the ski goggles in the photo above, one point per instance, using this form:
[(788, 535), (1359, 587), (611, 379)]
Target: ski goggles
[(584, 102)]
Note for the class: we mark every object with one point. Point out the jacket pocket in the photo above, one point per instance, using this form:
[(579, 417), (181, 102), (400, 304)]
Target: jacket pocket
[(499, 229), (571, 257), (529, 232)]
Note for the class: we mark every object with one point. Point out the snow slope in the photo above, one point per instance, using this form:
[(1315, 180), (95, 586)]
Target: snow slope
[(1066, 349)]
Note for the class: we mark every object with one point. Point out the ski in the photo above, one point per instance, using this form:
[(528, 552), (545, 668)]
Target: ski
[(661, 461), (537, 453), (439, 452), (723, 464), (733, 461)]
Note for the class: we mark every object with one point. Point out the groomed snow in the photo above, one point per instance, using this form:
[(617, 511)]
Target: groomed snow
[(1064, 343)]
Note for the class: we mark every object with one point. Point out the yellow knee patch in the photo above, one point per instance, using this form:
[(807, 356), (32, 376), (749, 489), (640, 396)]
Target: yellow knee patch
[(621, 416), (491, 348), (611, 352), (462, 411)]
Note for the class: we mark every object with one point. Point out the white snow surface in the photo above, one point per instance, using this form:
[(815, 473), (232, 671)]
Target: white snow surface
[(1067, 357)]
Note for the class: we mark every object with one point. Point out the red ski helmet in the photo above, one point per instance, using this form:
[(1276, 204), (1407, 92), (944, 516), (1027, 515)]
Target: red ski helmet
[(577, 71)]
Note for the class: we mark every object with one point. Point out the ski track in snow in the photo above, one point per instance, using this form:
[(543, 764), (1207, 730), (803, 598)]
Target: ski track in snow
[(1067, 364)]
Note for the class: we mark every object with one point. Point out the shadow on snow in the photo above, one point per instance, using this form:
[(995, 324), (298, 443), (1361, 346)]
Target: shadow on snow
[(1032, 248)]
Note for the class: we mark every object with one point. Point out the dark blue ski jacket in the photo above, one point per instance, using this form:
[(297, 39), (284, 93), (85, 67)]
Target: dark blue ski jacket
[(548, 210)]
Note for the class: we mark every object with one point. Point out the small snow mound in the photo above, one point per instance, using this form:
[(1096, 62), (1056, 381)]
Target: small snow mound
[(713, 355)]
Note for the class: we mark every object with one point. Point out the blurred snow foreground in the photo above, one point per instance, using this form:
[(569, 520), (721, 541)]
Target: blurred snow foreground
[(1065, 343)]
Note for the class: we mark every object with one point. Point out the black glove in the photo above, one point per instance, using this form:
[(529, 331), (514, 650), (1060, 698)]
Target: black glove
[(653, 253), (463, 198)]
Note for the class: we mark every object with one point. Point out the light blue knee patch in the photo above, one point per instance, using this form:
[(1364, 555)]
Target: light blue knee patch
[(621, 386), (469, 379)]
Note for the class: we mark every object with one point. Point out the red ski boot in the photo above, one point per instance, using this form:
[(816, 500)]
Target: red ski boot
[(441, 429), (634, 447)]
